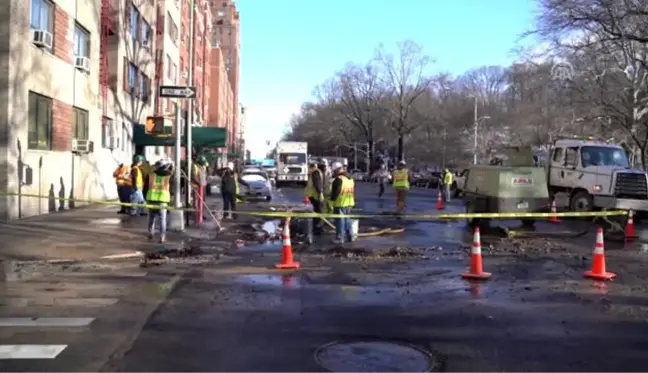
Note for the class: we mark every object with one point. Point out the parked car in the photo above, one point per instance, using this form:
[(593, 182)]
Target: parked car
[(259, 184), (358, 175)]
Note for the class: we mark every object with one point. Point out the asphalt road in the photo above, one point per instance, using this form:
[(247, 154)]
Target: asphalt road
[(389, 312)]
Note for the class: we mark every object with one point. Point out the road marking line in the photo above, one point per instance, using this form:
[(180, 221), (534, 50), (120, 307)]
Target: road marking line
[(46, 321), (30, 351)]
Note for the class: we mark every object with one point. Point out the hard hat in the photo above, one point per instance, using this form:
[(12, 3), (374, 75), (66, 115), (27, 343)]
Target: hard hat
[(323, 162), (230, 165), (402, 162), (383, 166), (336, 166), (202, 159), (138, 158)]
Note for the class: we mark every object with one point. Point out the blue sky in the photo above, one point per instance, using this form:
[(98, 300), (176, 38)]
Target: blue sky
[(291, 46)]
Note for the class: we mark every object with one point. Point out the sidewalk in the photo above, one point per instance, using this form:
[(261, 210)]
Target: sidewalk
[(85, 233)]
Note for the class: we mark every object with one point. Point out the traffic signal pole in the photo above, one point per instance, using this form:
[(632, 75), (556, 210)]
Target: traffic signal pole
[(176, 216)]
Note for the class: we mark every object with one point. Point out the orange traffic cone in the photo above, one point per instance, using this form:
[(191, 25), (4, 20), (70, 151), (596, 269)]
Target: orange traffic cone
[(598, 271), (630, 233), (476, 271), (439, 202), (287, 260), (553, 218)]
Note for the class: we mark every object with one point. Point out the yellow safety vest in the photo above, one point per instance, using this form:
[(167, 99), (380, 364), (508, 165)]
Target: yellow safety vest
[(139, 180), (447, 178), (159, 189), (346, 197), (310, 188), (401, 179)]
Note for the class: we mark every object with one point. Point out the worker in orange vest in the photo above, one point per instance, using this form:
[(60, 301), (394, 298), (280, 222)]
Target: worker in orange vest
[(123, 181)]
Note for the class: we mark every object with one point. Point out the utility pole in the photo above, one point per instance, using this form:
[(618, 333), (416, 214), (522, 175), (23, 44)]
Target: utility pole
[(190, 106), (355, 155), (177, 216), (475, 133)]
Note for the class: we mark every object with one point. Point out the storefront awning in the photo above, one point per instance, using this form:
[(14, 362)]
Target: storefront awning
[(211, 137)]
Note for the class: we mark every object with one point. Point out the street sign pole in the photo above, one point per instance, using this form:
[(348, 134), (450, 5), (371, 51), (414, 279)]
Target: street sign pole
[(190, 109), (177, 216)]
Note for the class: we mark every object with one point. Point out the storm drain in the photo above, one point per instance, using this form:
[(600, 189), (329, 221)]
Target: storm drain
[(373, 356)]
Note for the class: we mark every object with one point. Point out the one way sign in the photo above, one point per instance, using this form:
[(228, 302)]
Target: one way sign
[(174, 91)]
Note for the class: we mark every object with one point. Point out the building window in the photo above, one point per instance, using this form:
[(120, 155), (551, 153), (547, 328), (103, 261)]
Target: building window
[(144, 84), (80, 125), (81, 42), (132, 77), (133, 20), (40, 122), (41, 16), (146, 32), (108, 137), (173, 29)]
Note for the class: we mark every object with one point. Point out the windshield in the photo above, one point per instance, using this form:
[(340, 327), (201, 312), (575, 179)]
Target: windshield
[(603, 156), (292, 158)]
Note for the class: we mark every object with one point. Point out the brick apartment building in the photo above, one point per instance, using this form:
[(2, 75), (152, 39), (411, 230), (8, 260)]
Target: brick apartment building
[(225, 53), (75, 80)]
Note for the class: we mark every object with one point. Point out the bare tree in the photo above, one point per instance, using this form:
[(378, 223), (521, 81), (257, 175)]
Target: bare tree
[(356, 91), (405, 78)]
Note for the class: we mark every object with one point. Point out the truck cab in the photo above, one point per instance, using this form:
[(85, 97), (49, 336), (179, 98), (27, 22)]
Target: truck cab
[(292, 163), (595, 175)]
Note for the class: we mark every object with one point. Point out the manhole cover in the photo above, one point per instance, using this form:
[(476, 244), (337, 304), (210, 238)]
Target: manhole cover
[(373, 356)]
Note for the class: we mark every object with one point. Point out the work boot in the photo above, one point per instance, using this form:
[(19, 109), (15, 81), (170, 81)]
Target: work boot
[(162, 239), (150, 236)]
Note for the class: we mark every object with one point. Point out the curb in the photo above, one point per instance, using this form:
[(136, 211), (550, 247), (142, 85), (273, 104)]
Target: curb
[(126, 344)]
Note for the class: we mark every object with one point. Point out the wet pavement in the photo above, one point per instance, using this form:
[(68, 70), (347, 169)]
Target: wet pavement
[(388, 303)]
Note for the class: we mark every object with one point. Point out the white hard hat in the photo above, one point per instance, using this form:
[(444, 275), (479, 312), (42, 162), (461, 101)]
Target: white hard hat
[(230, 165), (336, 166), (402, 162)]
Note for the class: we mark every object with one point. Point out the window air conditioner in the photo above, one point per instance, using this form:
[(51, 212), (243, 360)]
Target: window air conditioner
[(82, 146), (42, 38), (82, 63), (112, 142)]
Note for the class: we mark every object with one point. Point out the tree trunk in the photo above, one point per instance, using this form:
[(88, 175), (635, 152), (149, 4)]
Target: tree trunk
[(401, 148)]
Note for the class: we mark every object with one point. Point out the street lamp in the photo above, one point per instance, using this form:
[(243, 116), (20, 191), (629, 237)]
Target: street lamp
[(475, 126)]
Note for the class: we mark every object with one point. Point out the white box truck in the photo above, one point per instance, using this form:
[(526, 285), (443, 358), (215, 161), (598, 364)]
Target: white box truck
[(292, 163)]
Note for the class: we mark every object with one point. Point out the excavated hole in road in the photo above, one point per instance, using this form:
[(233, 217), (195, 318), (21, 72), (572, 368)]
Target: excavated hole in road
[(375, 356)]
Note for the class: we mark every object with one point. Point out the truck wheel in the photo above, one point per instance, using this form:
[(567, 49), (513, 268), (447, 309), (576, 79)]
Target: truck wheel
[(581, 202)]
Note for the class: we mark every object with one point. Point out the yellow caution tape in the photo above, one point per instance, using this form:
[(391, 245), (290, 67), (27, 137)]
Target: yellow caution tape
[(290, 214)]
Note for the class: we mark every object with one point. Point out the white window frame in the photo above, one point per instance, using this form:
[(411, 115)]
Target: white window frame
[(81, 41)]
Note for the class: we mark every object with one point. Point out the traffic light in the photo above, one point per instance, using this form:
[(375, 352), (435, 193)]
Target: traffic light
[(155, 125)]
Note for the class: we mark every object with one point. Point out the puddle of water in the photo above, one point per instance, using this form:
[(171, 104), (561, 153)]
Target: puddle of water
[(271, 226), (286, 281)]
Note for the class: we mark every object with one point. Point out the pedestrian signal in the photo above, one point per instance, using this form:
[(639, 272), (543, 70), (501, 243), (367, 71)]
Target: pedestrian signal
[(155, 126)]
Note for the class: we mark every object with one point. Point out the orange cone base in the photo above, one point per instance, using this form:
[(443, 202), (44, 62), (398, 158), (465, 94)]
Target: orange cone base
[(477, 276), (600, 276), (293, 265), (554, 220)]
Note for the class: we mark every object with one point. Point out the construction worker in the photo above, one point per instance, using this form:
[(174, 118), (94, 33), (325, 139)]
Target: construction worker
[(137, 184), (315, 194), (230, 182), (326, 185), (198, 183), (343, 200), (401, 183), (147, 169), (448, 179), (159, 193), (123, 181)]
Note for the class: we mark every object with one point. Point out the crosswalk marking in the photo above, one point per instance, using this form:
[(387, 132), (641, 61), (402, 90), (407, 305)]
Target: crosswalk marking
[(63, 302), (30, 351), (45, 321)]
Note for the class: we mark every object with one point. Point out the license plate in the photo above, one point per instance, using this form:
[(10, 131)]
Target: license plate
[(523, 205)]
